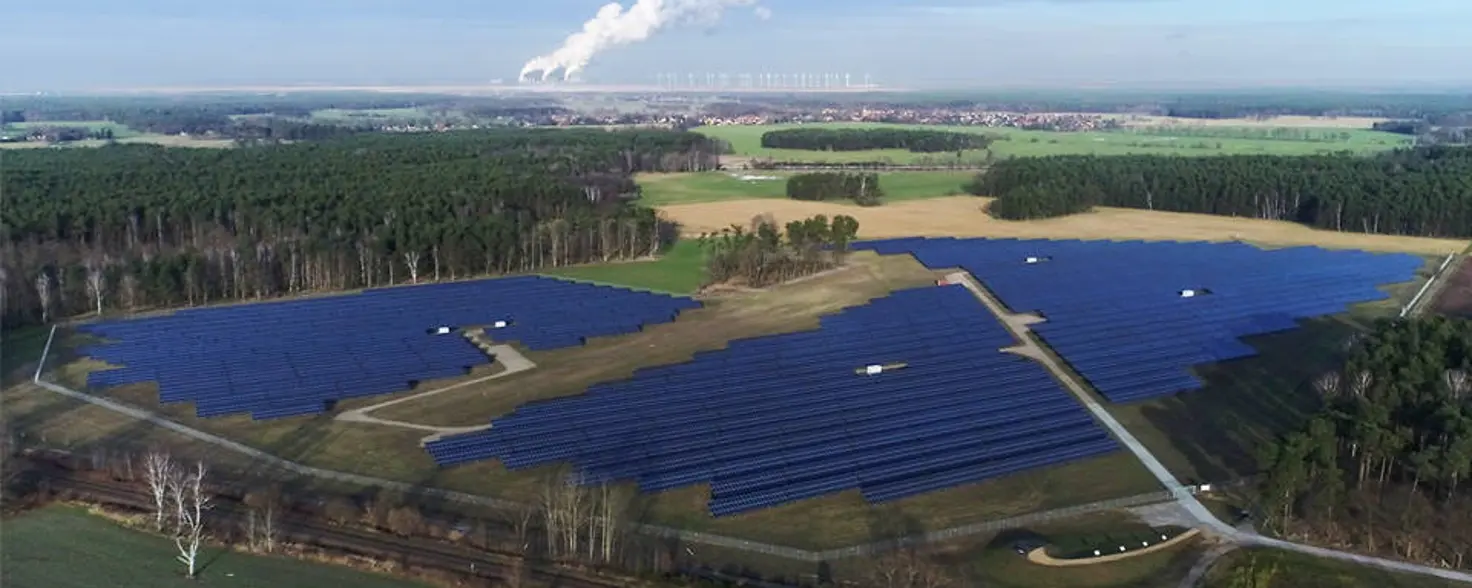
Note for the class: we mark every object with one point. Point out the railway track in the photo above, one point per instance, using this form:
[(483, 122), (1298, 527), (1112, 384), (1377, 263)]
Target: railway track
[(485, 568)]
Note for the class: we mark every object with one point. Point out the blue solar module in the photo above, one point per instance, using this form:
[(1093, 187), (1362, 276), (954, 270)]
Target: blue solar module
[(781, 418), (1131, 317), (296, 357)]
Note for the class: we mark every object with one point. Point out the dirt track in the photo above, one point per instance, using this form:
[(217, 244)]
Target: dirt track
[(965, 216)]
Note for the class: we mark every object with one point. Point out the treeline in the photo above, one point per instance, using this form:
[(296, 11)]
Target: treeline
[(1447, 130), (862, 188), (131, 226), (914, 140), (1382, 466), (1424, 192), (1203, 105), (767, 254), (255, 117)]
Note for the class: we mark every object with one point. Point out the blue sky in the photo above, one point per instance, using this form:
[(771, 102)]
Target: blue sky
[(85, 44)]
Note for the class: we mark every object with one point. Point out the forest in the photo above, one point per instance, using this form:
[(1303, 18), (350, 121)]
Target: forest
[(862, 188), (1423, 192), (251, 116), (913, 140), (132, 226), (767, 254), (1382, 465)]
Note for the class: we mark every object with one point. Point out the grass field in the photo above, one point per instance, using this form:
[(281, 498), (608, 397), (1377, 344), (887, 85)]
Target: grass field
[(694, 188), (681, 270), (746, 142), (65, 547), (835, 521), (19, 350), (119, 131), (967, 217), (1293, 570), (993, 563), (338, 115)]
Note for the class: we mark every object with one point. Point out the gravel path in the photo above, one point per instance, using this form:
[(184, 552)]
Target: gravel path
[(511, 361)]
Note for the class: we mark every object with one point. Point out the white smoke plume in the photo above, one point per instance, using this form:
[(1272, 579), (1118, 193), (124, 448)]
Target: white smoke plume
[(614, 26)]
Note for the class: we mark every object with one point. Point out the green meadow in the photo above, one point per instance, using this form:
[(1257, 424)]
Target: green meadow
[(746, 141)]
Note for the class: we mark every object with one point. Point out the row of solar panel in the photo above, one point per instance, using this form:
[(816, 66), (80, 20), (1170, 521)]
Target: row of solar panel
[(662, 432), (735, 393), (896, 480), (731, 417), (1116, 311), (278, 355), (400, 321)]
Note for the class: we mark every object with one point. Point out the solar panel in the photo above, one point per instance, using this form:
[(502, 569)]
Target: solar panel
[(779, 418), (290, 358), (1133, 317)]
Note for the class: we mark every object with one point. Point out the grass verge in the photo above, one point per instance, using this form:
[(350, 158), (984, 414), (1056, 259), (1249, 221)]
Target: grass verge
[(681, 270)]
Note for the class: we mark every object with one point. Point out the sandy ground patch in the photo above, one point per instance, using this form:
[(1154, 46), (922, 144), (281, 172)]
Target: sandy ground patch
[(965, 216)]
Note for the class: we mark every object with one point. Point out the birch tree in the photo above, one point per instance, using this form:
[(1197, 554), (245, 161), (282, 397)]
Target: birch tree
[(97, 281), (159, 470), (43, 293), (190, 503)]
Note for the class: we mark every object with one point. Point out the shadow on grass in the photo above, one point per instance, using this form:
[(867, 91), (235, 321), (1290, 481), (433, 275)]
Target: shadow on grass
[(1248, 402)]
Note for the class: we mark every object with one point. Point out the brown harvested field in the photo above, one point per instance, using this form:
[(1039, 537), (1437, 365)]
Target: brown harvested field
[(1455, 298), (965, 216)]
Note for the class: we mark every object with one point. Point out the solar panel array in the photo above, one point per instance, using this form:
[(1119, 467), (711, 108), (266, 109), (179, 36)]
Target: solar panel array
[(1132, 317), (289, 358), (782, 418)]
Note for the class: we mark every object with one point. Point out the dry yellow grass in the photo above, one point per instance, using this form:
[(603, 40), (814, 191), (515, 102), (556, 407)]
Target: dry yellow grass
[(965, 216)]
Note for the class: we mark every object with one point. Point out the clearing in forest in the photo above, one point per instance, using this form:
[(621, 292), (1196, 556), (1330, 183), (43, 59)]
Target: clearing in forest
[(693, 188)]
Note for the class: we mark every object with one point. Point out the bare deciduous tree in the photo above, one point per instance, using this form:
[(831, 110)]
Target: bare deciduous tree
[(1328, 384), (1457, 383), (158, 470), (43, 291), (405, 520), (186, 489), (261, 531), (97, 280), (1362, 382)]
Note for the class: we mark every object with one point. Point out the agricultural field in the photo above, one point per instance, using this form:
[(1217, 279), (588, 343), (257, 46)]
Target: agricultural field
[(119, 131), (1150, 140), (966, 217), (121, 134), (65, 547), (694, 188)]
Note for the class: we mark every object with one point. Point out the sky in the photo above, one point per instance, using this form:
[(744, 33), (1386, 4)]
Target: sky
[(74, 45)]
